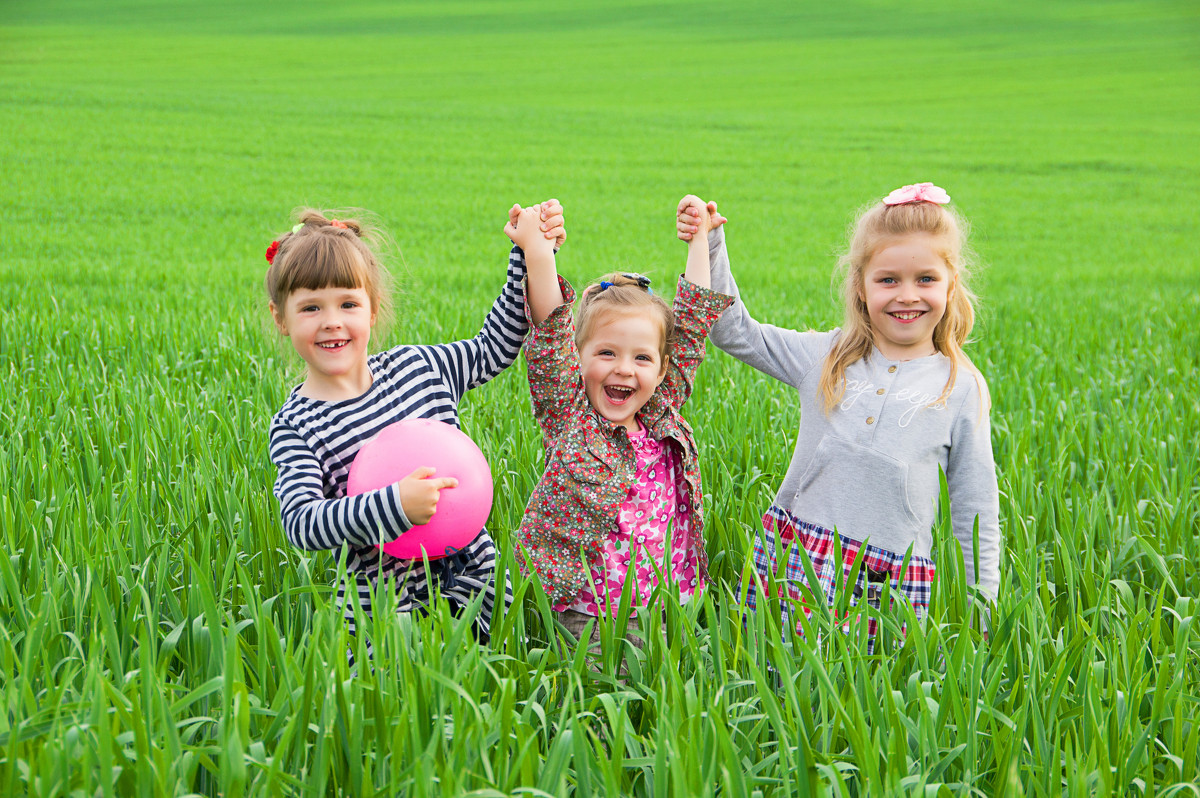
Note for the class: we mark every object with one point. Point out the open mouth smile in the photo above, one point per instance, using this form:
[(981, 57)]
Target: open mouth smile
[(332, 346), (907, 315), (618, 394)]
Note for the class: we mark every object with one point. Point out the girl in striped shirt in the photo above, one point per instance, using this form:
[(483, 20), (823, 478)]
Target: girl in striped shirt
[(327, 289)]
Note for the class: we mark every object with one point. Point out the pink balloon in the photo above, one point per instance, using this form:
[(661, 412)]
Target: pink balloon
[(401, 449)]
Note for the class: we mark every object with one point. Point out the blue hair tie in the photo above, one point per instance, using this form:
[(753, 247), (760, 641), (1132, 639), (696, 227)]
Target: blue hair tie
[(642, 281)]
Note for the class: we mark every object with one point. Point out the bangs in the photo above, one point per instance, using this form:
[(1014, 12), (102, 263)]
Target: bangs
[(315, 262), (619, 300)]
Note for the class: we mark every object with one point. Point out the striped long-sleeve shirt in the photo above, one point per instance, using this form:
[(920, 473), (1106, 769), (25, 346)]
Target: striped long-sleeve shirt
[(313, 443)]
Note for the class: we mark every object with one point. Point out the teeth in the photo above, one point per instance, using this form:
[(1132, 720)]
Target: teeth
[(331, 344), (618, 393), (908, 314)]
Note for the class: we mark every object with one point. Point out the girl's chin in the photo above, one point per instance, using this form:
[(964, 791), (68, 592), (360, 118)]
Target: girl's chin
[(620, 417)]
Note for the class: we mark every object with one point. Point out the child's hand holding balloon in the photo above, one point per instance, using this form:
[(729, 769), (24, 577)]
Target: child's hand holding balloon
[(420, 491)]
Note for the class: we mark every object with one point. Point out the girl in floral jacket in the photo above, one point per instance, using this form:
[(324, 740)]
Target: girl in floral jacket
[(620, 498)]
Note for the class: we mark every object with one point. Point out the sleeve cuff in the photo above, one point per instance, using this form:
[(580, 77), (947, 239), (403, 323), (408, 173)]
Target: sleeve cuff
[(707, 300), (400, 515), (559, 316)]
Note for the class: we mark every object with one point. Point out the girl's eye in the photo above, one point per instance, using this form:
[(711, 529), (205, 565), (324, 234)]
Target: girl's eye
[(646, 358), (605, 353), (308, 309), (926, 279), (349, 305)]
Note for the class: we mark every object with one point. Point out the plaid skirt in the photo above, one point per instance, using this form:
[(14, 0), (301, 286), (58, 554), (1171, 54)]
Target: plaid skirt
[(879, 567)]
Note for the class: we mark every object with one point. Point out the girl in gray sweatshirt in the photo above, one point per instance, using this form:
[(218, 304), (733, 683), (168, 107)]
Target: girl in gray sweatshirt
[(886, 401)]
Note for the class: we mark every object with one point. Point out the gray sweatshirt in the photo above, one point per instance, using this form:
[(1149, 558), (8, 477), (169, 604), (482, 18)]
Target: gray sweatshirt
[(870, 467)]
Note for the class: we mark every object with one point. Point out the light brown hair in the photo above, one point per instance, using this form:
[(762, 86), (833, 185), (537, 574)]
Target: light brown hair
[(625, 294), (876, 227), (318, 254)]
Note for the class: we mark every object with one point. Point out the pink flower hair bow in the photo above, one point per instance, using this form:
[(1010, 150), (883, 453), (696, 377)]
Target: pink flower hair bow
[(918, 192)]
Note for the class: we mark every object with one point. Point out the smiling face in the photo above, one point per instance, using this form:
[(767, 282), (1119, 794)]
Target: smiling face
[(906, 285), (331, 329), (622, 365)]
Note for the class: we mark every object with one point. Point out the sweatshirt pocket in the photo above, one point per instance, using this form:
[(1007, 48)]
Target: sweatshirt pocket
[(864, 490)]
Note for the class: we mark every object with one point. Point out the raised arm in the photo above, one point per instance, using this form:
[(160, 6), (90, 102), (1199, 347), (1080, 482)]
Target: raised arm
[(544, 294), (698, 271), (784, 354), (471, 362), (696, 310), (697, 307)]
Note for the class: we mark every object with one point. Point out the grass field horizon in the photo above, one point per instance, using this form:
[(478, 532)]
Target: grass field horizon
[(160, 636)]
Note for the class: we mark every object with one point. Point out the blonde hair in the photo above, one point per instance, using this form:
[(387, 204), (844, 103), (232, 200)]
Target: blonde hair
[(317, 253), (876, 226), (625, 294)]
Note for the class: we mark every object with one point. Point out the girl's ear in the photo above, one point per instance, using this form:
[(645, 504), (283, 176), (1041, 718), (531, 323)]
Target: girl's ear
[(280, 324), (662, 374)]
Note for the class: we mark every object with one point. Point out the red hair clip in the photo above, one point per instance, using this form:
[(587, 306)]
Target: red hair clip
[(338, 223), (271, 250)]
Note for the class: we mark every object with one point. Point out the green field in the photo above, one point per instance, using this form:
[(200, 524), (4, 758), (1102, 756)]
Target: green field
[(159, 636)]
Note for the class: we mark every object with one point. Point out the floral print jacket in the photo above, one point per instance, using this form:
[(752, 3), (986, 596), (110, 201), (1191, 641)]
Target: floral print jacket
[(590, 461)]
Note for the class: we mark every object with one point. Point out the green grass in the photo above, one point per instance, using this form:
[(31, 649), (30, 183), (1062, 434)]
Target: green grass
[(159, 636)]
